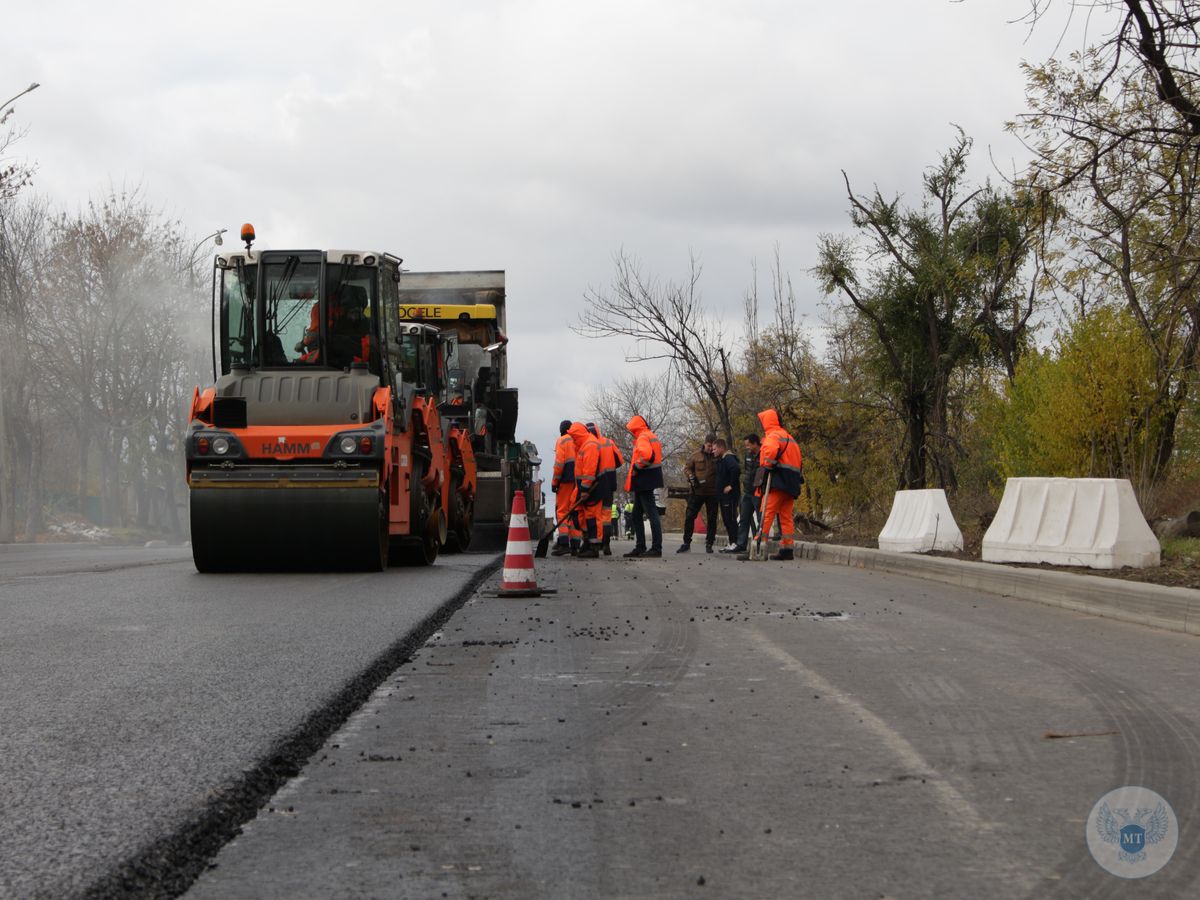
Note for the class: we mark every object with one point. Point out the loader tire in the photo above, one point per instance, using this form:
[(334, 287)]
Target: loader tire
[(462, 520)]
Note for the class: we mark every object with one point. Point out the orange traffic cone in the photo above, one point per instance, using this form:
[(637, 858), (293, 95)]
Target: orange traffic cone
[(518, 578)]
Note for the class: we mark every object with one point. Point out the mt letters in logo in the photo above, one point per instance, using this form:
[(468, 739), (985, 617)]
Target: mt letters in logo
[(1132, 832)]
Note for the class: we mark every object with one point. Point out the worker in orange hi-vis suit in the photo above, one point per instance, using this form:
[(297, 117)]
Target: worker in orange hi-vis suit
[(610, 461), (643, 477), (587, 490), (562, 482), (780, 458)]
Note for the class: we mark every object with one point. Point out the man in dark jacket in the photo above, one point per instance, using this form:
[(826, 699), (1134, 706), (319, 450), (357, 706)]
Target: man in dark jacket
[(701, 471), (749, 504), (729, 491)]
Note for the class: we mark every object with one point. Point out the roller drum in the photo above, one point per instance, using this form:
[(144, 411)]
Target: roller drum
[(286, 529)]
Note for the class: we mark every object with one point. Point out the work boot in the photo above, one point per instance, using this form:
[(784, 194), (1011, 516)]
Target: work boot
[(605, 548), (635, 552), (560, 550), (654, 553), (784, 553), (684, 548), (588, 551)]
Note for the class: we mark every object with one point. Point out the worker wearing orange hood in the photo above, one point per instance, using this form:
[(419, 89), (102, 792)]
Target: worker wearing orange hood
[(645, 474), (610, 461), (780, 458), (563, 485), (588, 501)]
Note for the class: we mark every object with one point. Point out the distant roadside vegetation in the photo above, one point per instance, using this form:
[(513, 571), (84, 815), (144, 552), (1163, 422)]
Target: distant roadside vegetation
[(1043, 324)]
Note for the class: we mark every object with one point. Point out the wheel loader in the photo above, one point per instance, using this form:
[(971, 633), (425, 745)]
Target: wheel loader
[(320, 444), (469, 310)]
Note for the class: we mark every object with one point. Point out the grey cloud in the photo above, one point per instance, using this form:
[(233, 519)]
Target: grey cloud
[(534, 137)]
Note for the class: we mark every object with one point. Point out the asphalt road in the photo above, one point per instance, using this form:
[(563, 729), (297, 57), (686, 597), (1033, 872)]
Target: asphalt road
[(695, 726), (146, 708)]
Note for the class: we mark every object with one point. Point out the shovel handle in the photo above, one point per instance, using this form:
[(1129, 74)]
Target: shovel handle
[(544, 542), (762, 515)]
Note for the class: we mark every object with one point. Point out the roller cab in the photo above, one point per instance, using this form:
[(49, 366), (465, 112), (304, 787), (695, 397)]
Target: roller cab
[(319, 444)]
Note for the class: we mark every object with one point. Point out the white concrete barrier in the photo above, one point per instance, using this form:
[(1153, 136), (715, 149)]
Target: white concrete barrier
[(920, 521), (1094, 522)]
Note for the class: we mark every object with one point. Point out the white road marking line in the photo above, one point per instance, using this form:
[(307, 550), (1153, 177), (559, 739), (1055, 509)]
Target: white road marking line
[(946, 795)]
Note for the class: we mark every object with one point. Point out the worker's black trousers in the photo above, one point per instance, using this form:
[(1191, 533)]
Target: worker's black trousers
[(729, 513), (644, 505), (748, 510), (695, 501)]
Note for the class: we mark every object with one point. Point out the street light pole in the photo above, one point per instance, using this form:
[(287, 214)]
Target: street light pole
[(32, 87), (216, 238)]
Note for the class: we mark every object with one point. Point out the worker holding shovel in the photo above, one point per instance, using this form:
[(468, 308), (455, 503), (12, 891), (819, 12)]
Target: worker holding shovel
[(780, 459)]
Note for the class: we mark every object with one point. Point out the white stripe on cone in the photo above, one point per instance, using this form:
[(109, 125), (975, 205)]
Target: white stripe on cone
[(519, 578)]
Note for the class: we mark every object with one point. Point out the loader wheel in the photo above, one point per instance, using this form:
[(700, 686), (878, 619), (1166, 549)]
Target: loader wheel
[(422, 551), (462, 519), (421, 548)]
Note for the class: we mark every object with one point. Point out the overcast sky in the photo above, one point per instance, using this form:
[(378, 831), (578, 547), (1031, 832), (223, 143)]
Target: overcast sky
[(535, 137)]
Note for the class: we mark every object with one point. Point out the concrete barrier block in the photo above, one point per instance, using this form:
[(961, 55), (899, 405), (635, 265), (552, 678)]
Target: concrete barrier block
[(1094, 522), (920, 521)]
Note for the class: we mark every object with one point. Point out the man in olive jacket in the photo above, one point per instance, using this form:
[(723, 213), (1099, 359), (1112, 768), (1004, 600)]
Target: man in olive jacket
[(701, 471)]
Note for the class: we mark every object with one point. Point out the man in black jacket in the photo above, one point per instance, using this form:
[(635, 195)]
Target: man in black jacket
[(749, 504), (729, 490)]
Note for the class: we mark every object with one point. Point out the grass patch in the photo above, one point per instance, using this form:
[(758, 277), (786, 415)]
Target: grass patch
[(1181, 548)]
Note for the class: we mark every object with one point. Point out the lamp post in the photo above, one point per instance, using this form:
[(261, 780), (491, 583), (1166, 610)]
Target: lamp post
[(32, 87), (215, 237)]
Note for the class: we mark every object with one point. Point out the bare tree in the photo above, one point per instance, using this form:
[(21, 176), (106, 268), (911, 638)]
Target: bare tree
[(660, 401), (780, 367), (667, 321), (22, 257), (16, 428), (121, 351)]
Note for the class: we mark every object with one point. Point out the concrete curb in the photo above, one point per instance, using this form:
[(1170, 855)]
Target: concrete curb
[(1171, 608)]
